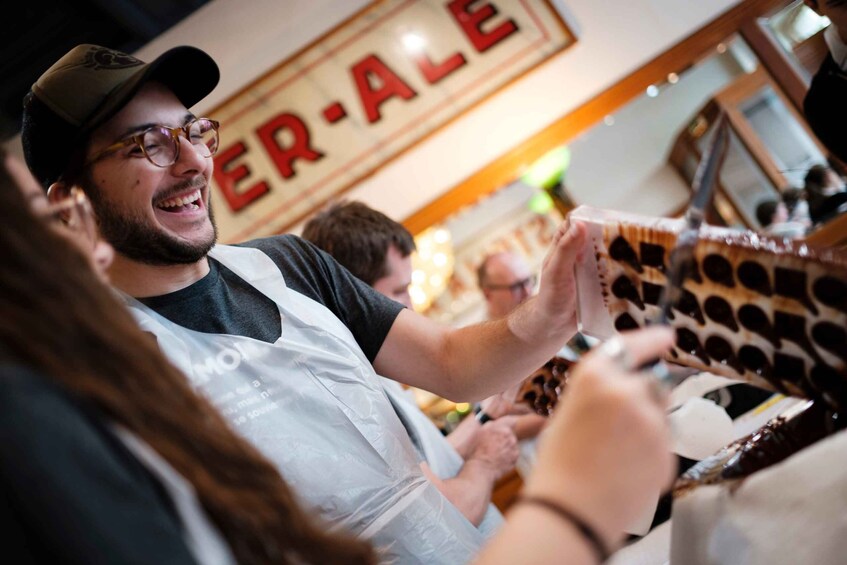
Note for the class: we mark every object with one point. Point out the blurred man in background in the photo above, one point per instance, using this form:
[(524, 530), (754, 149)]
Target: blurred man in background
[(466, 465)]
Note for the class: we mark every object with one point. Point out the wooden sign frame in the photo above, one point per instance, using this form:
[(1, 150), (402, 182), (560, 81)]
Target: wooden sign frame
[(300, 136)]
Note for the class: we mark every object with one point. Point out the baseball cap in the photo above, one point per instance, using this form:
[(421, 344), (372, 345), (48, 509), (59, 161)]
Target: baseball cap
[(89, 85)]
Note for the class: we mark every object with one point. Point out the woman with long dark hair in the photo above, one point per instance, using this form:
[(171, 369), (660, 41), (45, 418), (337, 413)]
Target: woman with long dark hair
[(108, 456)]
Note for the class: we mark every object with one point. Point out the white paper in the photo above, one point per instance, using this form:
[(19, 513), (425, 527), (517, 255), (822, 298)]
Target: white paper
[(699, 428), (698, 385), (790, 513)]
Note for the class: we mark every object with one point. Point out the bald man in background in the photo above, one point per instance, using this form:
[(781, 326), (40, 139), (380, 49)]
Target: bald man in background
[(506, 281)]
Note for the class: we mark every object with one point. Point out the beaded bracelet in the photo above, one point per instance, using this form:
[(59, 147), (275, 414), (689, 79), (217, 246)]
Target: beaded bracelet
[(587, 531)]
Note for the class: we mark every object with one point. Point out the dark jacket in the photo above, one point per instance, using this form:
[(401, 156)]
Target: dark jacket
[(825, 107), (71, 491)]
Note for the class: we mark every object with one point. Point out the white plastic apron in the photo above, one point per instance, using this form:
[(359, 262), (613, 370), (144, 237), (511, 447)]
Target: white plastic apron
[(441, 457), (313, 405)]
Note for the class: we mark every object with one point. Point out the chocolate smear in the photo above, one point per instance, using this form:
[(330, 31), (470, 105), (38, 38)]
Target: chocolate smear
[(792, 284), (793, 328), (789, 368), (831, 337), (652, 292), (625, 290), (688, 342), (718, 269), (689, 306), (652, 255), (620, 250), (625, 322), (755, 361), (720, 311), (754, 319), (831, 292), (721, 351), (755, 277)]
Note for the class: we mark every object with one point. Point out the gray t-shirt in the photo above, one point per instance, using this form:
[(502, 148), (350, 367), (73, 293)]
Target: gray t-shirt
[(223, 303), (310, 401)]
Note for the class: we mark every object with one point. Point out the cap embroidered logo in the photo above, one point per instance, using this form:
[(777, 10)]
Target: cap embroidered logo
[(102, 58)]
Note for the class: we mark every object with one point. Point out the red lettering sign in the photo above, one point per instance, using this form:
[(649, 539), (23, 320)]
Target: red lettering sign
[(228, 177), (435, 72), (332, 114), (471, 23), (371, 67), (299, 148)]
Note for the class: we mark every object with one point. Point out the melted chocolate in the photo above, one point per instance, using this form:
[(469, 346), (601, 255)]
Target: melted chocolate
[(692, 271), (832, 292), (755, 361), (792, 284), (621, 250), (652, 255), (542, 389), (793, 328), (625, 322), (831, 337), (688, 342), (551, 385), (721, 351), (789, 368), (718, 269), (755, 277), (652, 292), (689, 306), (754, 319), (625, 290), (720, 311), (832, 383), (777, 440)]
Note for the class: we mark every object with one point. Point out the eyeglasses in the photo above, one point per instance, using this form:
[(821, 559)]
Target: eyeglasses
[(160, 144), (515, 287), (74, 214)]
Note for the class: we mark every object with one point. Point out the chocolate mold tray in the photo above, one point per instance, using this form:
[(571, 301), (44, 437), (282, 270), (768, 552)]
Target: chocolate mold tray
[(770, 312)]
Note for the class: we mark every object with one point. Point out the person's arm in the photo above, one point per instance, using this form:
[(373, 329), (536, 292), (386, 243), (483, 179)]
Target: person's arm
[(529, 425), (464, 436), (524, 424), (602, 459), (470, 490), (476, 361)]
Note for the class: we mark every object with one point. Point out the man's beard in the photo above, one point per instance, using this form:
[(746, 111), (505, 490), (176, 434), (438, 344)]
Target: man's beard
[(133, 237)]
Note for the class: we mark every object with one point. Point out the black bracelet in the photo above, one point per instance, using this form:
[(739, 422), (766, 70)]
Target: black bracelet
[(586, 530), (480, 415)]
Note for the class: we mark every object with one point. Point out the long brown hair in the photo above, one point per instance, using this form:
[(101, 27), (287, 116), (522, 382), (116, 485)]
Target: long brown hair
[(59, 319)]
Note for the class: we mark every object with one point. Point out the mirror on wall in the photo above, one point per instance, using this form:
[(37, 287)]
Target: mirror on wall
[(623, 162), (797, 29)]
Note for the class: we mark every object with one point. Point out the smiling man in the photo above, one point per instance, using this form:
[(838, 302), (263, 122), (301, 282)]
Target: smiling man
[(283, 340)]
